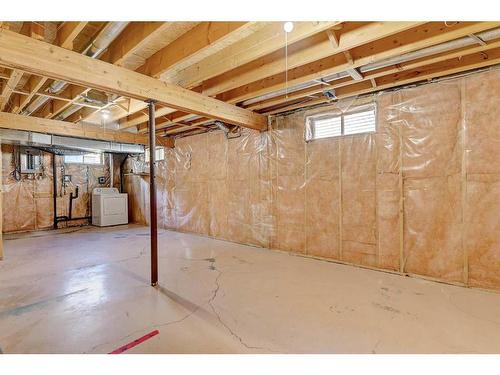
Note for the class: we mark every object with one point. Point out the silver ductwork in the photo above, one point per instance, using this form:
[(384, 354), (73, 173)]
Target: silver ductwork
[(222, 126), (94, 50), (62, 143), (104, 39), (425, 52)]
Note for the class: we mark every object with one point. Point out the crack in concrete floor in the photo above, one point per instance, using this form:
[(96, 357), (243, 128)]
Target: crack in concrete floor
[(309, 290)]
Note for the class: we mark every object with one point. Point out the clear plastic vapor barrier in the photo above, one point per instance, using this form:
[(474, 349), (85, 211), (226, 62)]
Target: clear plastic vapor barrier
[(28, 197), (419, 195)]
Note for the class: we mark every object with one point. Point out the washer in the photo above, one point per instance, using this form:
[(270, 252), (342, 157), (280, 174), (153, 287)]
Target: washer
[(109, 207)]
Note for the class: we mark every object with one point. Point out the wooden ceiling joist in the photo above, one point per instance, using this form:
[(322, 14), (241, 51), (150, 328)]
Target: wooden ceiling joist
[(263, 42), (18, 51), (193, 45), (301, 53), (412, 40), (65, 38), (438, 69), (374, 75), (267, 39), (68, 32), (315, 48), (202, 40), (135, 36), (9, 87)]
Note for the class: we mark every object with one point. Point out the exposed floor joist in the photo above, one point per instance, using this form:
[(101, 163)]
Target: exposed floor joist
[(407, 41), (9, 87), (262, 42), (202, 40), (65, 38), (412, 40), (439, 69), (18, 51), (373, 75)]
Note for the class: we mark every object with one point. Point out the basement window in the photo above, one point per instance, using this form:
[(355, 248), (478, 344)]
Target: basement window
[(159, 155), (357, 120), (90, 158)]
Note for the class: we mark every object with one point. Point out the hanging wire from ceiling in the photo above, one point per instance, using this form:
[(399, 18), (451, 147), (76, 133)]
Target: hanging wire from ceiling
[(286, 64), (288, 27)]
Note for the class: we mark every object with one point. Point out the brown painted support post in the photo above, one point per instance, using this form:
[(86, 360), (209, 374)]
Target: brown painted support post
[(1, 207), (152, 194)]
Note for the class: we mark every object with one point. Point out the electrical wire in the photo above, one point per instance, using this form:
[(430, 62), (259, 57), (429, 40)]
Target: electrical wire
[(286, 65)]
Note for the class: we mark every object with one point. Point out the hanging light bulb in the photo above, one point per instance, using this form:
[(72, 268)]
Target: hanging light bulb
[(105, 114), (288, 26)]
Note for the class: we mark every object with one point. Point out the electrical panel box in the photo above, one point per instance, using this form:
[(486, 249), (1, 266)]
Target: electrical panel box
[(30, 160)]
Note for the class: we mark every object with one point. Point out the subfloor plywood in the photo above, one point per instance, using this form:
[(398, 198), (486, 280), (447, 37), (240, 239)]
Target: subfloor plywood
[(87, 290)]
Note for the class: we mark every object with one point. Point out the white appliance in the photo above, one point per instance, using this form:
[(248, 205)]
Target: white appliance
[(109, 207)]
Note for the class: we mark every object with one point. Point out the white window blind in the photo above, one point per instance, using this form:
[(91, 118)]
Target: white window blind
[(159, 154), (357, 120), (360, 122), (91, 158)]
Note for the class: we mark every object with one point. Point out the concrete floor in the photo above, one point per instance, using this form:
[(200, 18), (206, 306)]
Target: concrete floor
[(86, 291)]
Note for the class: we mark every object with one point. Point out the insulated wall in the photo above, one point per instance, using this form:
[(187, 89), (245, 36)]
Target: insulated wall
[(419, 196), (28, 199)]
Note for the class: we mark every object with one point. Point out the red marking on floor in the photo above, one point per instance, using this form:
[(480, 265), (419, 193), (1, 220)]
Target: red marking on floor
[(130, 345)]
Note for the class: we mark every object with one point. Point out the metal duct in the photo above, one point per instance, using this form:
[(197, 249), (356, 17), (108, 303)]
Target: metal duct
[(95, 48), (433, 50), (63, 144), (439, 48), (104, 39), (221, 126)]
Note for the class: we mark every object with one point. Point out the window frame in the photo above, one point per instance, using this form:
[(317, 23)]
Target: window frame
[(101, 159), (309, 130), (158, 148)]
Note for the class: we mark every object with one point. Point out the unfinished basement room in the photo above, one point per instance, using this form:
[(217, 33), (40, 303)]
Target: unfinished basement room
[(250, 187)]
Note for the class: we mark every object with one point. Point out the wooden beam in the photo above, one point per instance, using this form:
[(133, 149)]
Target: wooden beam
[(306, 51), (348, 57), (440, 69), (333, 37), (201, 41), (192, 46), (409, 41), (37, 30), (35, 124), (68, 33), (18, 51), (9, 87), (141, 118), (65, 37), (263, 41), (405, 73), (131, 40), (375, 74), (35, 83), (260, 43)]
